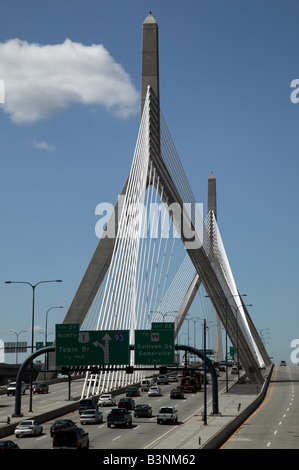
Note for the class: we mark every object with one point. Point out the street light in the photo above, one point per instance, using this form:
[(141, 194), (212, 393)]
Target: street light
[(226, 304), (237, 332), (17, 348), (46, 336), (188, 320), (32, 333)]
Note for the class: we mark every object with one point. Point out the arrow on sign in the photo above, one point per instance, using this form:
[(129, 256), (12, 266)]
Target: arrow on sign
[(105, 348)]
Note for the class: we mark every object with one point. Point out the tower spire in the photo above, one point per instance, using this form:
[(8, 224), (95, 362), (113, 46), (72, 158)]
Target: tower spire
[(212, 203), (150, 58)]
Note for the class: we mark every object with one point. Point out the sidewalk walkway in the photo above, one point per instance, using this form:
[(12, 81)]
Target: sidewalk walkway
[(193, 434)]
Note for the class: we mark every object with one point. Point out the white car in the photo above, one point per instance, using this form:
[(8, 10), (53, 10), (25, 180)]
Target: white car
[(91, 416), (155, 392), (28, 427), (11, 388), (173, 378), (107, 400)]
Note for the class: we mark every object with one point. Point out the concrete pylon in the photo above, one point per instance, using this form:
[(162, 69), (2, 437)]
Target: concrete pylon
[(212, 209), (149, 59), (212, 201)]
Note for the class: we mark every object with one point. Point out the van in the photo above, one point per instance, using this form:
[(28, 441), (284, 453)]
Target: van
[(146, 384), (88, 404)]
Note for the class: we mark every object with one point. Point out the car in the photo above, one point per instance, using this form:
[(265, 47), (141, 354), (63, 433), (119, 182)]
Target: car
[(155, 391), (173, 378), (119, 417), (61, 423), (11, 388), (7, 444), (283, 363), (132, 392), (162, 379), (143, 410), (127, 403), (146, 384), (234, 370), (88, 404), (91, 416), (107, 399), (28, 427), (177, 393), (71, 438), (40, 387)]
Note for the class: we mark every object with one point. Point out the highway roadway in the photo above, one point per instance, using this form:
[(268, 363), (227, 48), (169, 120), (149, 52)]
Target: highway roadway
[(274, 425), (144, 433)]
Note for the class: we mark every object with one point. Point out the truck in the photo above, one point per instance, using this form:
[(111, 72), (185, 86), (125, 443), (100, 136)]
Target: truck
[(119, 417), (167, 413), (190, 381)]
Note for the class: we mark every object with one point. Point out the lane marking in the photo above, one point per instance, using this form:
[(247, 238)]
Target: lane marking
[(259, 408)]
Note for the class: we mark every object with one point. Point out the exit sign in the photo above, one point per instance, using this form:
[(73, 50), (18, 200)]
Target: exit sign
[(154, 347), (93, 347)]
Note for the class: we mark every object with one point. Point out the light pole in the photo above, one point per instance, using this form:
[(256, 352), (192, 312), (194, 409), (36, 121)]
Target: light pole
[(164, 314), (226, 337), (17, 348), (205, 370), (237, 334), (194, 321), (46, 336), (33, 286)]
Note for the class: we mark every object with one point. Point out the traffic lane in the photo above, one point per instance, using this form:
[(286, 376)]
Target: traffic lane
[(268, 427), (285, 434), (139, 435), (58, 393), (190, 408)]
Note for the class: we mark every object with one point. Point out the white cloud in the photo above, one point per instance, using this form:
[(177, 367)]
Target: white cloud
[(43, 79), (42, 145)]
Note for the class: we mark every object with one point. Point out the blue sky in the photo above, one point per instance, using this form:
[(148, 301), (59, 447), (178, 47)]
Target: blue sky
[(225, 84)]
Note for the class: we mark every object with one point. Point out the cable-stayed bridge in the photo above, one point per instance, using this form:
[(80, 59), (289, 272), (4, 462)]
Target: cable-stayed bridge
[(157, 251)]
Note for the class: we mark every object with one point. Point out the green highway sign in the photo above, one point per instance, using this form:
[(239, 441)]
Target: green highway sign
[(163, 326), (93, 347), (155, 346)]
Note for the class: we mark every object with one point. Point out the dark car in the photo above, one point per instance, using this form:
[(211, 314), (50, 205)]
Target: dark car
[(142, 410), (61, 423), (132, 392), (6, 444), (40, 388), (127, 403), (177, 393), (88, 404), (71, 438)]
